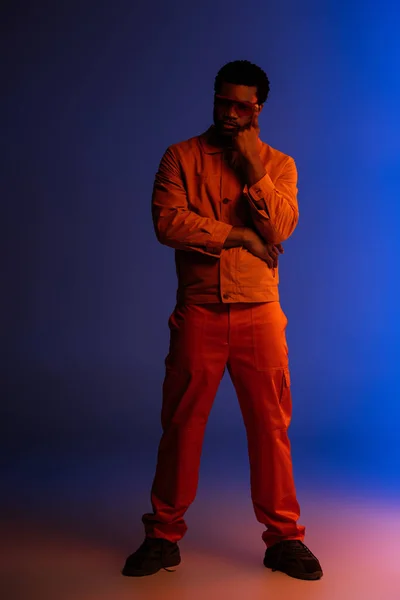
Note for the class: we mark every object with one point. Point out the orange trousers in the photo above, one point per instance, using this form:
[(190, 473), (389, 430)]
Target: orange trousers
[(248, 339)]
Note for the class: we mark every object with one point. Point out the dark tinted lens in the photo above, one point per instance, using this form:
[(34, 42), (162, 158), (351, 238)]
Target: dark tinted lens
[(222, 102), (243, 110)]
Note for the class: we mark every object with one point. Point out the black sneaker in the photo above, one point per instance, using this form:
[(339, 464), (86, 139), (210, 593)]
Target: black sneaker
[(293, 558), (154, 554)]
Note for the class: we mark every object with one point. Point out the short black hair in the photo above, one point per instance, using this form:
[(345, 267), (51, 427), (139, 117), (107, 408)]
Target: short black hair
[(243, 72)]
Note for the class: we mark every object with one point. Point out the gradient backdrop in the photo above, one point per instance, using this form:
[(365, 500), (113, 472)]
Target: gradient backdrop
[(93, 94)]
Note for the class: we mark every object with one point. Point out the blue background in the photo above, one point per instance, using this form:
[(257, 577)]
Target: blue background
[(93, 94)]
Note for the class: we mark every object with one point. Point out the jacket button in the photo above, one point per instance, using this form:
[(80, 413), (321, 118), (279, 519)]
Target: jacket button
[(225, 200), (226, 296)]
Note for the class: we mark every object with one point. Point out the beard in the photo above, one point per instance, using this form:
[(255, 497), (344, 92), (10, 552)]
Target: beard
[(226, 135), (227, 140)]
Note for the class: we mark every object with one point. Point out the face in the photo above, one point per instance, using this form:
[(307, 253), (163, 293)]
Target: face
[(235, 105)]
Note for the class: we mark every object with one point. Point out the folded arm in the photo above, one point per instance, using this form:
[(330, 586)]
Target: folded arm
[(274, 206), (177, 226)]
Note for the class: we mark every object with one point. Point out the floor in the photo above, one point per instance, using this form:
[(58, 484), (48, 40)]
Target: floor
[(70, 549)]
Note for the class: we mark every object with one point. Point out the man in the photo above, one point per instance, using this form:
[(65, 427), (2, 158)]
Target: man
[(225, 201)]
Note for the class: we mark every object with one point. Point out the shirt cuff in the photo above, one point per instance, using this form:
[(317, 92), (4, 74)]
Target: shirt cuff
[(216, 243), (257, 195), (259, 190)]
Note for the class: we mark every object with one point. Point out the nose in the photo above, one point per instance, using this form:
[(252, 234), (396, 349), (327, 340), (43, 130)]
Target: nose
[(230, 112)]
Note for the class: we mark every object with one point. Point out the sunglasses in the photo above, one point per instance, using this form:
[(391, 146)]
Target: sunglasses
[(243, 109)]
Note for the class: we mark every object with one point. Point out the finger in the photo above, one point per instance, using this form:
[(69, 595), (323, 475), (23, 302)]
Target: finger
[(254, 121), (273, 255), (273, 251), (270, 261), (280, 248)]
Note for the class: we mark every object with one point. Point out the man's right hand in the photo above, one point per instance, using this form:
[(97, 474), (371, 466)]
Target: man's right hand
[(267, 252)]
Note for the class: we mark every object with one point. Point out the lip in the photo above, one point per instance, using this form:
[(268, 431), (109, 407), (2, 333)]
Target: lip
[(229, 126)]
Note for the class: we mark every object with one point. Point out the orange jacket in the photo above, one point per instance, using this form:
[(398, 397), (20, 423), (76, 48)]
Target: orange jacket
[(198, 198)]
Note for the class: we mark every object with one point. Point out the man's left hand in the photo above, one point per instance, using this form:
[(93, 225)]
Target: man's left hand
[(246, 141)]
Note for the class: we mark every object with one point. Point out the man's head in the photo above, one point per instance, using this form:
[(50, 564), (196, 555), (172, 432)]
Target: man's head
[(241, 88)]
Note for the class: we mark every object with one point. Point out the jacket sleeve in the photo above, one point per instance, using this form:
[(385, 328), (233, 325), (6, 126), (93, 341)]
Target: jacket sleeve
[(274, 207), (177, 226)]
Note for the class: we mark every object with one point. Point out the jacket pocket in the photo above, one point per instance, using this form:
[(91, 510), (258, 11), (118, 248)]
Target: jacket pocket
[(254, 272)]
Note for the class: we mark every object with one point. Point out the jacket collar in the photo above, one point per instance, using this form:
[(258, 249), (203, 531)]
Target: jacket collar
[(208, 145)]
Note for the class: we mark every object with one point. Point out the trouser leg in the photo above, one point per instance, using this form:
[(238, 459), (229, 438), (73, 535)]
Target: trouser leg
[(194, 368), (259, 368)]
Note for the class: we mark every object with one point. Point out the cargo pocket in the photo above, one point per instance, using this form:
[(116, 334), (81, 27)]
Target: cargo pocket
[(285, 401), (286, 379)]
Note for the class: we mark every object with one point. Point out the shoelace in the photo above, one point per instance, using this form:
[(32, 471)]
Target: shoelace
[(147, 545), (296, 546), (162, 559)]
